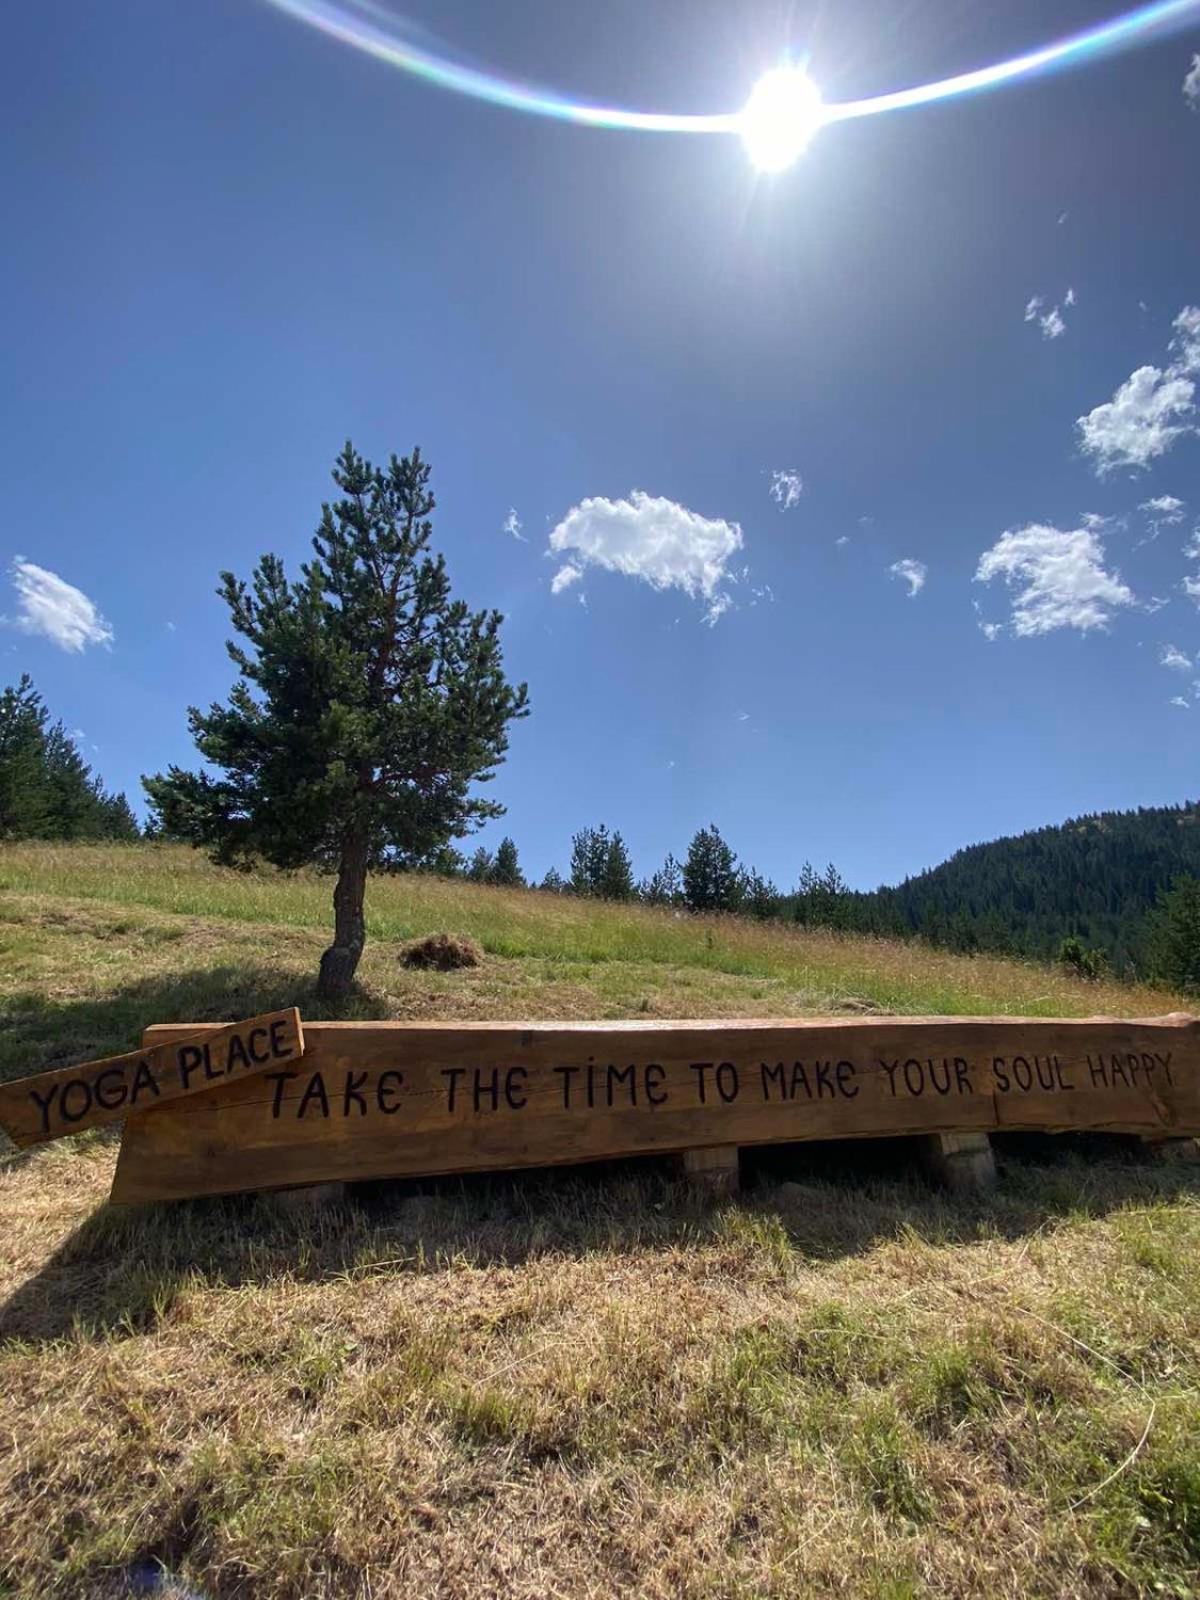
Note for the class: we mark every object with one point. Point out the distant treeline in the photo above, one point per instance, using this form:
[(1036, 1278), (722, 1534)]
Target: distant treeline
[(47, 790), (1088, 892)]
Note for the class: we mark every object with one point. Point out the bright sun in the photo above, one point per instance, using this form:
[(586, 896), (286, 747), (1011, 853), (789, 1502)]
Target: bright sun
[(779, 119)]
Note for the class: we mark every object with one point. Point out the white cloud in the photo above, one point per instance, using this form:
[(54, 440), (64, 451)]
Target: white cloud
[(662, 543), (1171, 656), (1191, 84), (1178, 700), (1185, 342), (1142, 420), (991, 631), (1191, 587), (1051, 322), (564, 577), (512, 524), (1164, 508), (786, 488), (56, 609), (913, 572), (1057, 577), (1192, 548), (1094, 521), (1151, 409), (842, 540), (1053, 326)]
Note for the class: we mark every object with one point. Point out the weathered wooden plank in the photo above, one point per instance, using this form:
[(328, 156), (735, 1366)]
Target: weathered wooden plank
[(390, 1100), (189, 1062)]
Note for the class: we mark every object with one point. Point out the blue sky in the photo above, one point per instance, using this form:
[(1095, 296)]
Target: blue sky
[(232, 241)]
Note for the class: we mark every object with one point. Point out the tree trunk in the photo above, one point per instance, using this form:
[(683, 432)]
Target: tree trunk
[(340, 961)]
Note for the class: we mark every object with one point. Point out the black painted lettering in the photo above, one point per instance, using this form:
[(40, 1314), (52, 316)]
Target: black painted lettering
[(845, 1071), (208, 1066), (914, 1078), (566, 1074), (452, 1075), (489, 1088), (387, 1091), (1116, 1068), (514, 1088), (962, 1076), (352, 1093), (237, 1054), (1022, 1072), (824, 1085), (1098, 1071), (941, 1084), (189, 1057), (1134, 1064), (727, 1081), (626, 1077), (111, 1097), (64, 1111), (278, 1079), (279, 1044), (265, 1054), (655, 1094), (43, 1103), (1165, 1063), (891, 1068), (772, 1075), (314, 1093), (1059, 1079), (799, 1081), (1045, 1072), (701, 1069), (1000, 1073), (143, 1078)]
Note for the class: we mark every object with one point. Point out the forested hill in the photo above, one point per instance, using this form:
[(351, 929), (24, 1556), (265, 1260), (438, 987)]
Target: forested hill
[(1094, 876)]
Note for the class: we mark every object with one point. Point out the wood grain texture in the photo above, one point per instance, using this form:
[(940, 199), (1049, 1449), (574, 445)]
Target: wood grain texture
[(189, 1062), (401, 1099)]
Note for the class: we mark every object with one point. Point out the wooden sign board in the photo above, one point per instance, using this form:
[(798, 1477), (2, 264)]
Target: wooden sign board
[(192, 1060), (398, 1099)]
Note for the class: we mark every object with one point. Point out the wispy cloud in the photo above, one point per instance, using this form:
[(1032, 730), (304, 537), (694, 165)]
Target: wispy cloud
[(1049, 318), (655, 540), (786, 488), (1191, 84), (1150, 410), (1172, 657), (913, 573), (1164, 508), (512, 524), (1057, 578), (1178, 700), (55, 609)]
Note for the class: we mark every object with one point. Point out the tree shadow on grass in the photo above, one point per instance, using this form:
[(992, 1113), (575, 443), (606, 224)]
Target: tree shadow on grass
[(123, 1268), (38, 1033)]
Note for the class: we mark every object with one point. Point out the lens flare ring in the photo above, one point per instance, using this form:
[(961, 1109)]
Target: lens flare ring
[(369, 27)]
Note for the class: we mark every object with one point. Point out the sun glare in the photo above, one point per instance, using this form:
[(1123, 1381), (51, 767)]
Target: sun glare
[(780, 118)]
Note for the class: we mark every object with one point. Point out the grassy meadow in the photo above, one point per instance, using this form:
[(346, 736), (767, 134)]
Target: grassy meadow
[(576, 1384)]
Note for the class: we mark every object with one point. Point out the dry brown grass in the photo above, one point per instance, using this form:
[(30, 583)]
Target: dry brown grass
[(590, 1384)]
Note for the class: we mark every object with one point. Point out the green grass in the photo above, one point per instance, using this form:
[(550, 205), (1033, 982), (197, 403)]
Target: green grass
[(574, 1385)]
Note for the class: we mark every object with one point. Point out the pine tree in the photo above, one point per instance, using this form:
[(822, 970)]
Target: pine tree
[(664, 887), (710, 875), (589, 860), (23, 796), (616, 879), (553, 882), (1174, 936), (481, 867), (757, 895), (369, 703), (507, 870)]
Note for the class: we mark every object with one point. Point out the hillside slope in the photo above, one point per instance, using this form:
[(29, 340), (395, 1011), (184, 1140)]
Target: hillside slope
[(1094, 876), (584, 1384)]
